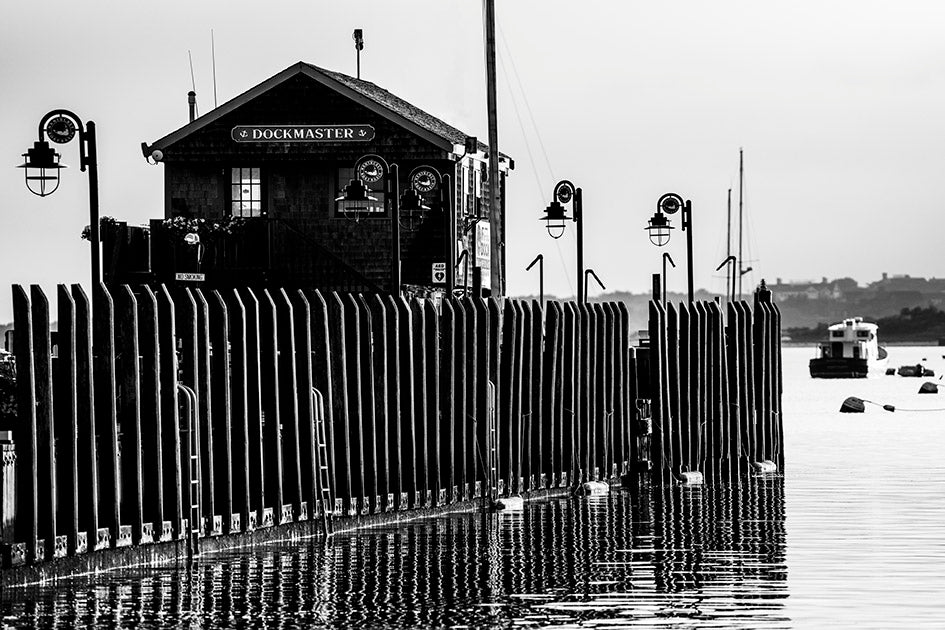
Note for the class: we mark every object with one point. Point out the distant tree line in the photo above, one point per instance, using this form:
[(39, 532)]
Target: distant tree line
[(911, 324)]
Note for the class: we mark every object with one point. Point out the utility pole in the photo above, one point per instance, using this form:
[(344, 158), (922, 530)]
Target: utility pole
[(496, 238)]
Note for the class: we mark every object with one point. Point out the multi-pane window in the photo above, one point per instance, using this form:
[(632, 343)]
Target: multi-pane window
[(246, 192)]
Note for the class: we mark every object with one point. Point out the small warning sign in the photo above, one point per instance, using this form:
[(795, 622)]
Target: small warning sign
[(439, 273)]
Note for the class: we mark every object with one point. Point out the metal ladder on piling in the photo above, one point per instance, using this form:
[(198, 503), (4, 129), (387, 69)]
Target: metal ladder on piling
[(321, 443), (193, 449), (492, 433)]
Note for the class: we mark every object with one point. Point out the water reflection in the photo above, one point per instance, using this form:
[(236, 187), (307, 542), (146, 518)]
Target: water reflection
[(670, 556)]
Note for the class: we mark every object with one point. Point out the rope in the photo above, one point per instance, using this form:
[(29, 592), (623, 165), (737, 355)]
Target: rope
[(894, 408)]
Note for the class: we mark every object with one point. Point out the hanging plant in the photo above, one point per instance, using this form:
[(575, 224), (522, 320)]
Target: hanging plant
[(104, 223)]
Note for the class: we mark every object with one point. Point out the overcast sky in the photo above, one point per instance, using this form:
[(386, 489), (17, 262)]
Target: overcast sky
[(838, 105)]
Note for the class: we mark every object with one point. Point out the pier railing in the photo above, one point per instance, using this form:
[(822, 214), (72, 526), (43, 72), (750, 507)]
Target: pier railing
[(184, 416)]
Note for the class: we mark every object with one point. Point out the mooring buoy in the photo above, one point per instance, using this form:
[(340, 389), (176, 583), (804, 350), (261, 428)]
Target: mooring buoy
[(852, 405), (691, 478), (928, 388)]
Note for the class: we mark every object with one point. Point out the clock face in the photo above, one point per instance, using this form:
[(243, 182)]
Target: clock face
[(564, 193), (60, 129), (670, 204), (370, 171), (423, 180)]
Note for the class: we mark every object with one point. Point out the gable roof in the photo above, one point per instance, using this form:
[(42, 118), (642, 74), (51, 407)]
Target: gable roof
[(371, 96)]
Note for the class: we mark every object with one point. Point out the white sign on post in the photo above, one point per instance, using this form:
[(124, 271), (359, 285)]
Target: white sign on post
[(439, 273), (484, 252)]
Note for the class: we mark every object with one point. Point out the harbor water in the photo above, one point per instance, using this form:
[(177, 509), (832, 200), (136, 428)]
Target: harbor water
[(851, 535)]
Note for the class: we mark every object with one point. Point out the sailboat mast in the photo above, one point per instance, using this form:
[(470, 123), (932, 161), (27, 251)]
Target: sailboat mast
[(741, 179), (496, 238), (728, 249)]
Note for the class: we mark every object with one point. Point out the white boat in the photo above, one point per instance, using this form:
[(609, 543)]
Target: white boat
[(851, 350)]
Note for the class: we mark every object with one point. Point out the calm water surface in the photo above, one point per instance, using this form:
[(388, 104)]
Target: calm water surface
[(851, 536)]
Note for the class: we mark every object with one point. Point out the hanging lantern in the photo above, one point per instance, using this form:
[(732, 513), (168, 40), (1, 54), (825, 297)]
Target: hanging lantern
[(659, 229), (355, 199), (555, 218), (41, 169), (412, 209)]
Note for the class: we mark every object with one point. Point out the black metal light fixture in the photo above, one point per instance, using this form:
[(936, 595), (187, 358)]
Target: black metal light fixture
[(354, 200), (370, 169), (556, 217), (356, 197), (422, 180), (659, 227), (41, 168), (413, 208)]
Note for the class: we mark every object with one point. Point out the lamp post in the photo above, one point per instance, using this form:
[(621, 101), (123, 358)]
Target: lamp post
[(659, 227), (555, 217), (669, 259), (541, 277), (41, 168), (370, 169), (424, 179)]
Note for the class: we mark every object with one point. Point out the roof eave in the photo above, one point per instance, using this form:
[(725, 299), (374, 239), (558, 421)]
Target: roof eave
[(301, 67)]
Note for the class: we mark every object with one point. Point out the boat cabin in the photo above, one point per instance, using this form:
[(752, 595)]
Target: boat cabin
[(851, 339)]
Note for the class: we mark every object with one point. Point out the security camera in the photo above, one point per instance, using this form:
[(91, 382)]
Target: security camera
[(157, 155)]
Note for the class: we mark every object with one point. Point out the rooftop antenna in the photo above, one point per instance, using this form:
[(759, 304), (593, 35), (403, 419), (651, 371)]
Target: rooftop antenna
[(358, 37), (193, 85), (213, 63)]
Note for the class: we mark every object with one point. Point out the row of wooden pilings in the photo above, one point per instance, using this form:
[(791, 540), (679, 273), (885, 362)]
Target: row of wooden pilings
[(716, 398), (198, 414)]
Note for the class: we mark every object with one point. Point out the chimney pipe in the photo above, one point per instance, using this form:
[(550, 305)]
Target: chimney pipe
[(192, 104)]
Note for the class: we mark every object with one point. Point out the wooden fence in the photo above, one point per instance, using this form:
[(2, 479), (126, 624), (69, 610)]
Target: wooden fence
[(174, 415), (717, 387)]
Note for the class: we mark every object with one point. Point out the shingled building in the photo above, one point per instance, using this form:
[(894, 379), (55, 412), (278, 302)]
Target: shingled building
[(251, 193)]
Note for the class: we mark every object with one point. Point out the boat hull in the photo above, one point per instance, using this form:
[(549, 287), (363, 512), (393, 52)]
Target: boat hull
[(845, 367)]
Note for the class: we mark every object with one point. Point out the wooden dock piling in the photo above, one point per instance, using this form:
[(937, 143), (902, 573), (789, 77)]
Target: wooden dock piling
[(422, 404)]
